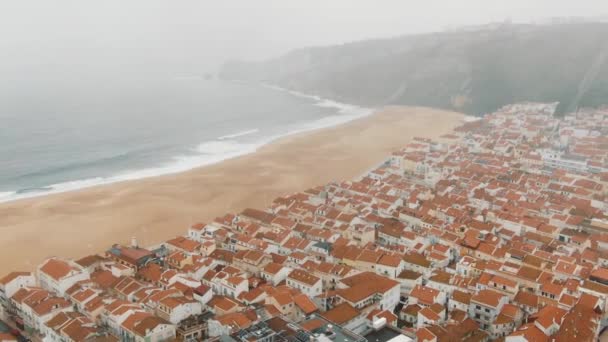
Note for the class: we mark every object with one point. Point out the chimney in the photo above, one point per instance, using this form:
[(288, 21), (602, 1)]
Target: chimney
[(134, 242)]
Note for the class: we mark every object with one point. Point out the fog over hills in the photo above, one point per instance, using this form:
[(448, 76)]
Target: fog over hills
[(474, 70)]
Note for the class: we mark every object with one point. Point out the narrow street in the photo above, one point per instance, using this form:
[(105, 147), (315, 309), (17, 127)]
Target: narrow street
[(7, 326)]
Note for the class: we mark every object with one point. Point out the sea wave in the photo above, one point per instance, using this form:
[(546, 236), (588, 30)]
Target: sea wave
[(239, 134), (208, 152), (6, 196), (470, 118), (293, 92), (80, 165)]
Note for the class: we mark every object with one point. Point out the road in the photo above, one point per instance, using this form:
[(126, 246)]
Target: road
[(6, 327)]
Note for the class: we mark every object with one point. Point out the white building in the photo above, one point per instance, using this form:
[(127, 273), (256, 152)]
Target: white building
[(177, 309), (368, 288), (309, 284), (226, 285), (275, 273), (36, 313), (58, 275), (485, 306), (147, 328), (390, 266), (203, 294), (13, 281), (10, 284)]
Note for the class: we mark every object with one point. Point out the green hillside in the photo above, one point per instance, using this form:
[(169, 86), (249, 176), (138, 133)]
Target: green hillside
[(475, 71)]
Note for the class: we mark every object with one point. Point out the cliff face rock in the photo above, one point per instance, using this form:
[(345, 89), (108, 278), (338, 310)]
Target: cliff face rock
[(475, 71)]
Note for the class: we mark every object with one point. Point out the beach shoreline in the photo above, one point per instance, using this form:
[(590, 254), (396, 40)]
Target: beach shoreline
[(85, 221), (204, 153)]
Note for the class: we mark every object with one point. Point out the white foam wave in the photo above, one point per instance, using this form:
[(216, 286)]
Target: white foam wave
[(6, 195), (77, 184), (470, 118), (239, 134), (209, 152), (346, 112), (205, 154), (52, 189), (343, 108), (293, 92), (329, 121), (226, 147)]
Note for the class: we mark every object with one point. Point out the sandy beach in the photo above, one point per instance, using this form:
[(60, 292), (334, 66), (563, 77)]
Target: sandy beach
[(79, 223)]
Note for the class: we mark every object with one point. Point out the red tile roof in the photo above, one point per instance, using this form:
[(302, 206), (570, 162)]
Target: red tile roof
[(56, 268), (341, 314), (488, 298)]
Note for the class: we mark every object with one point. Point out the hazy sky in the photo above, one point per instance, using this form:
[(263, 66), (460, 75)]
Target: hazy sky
[(188, 35)]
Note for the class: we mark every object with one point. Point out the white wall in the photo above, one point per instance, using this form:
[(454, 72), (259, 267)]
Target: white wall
[(17, 283), (184, 311), (391, 298)]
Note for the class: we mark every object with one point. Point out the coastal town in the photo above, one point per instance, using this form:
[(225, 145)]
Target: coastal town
[(497, 231)]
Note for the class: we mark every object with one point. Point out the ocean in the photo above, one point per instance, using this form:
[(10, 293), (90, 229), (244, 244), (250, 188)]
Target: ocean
[(68, 136)]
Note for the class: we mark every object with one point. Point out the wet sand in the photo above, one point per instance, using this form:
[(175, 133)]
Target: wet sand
[(82, 222)]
